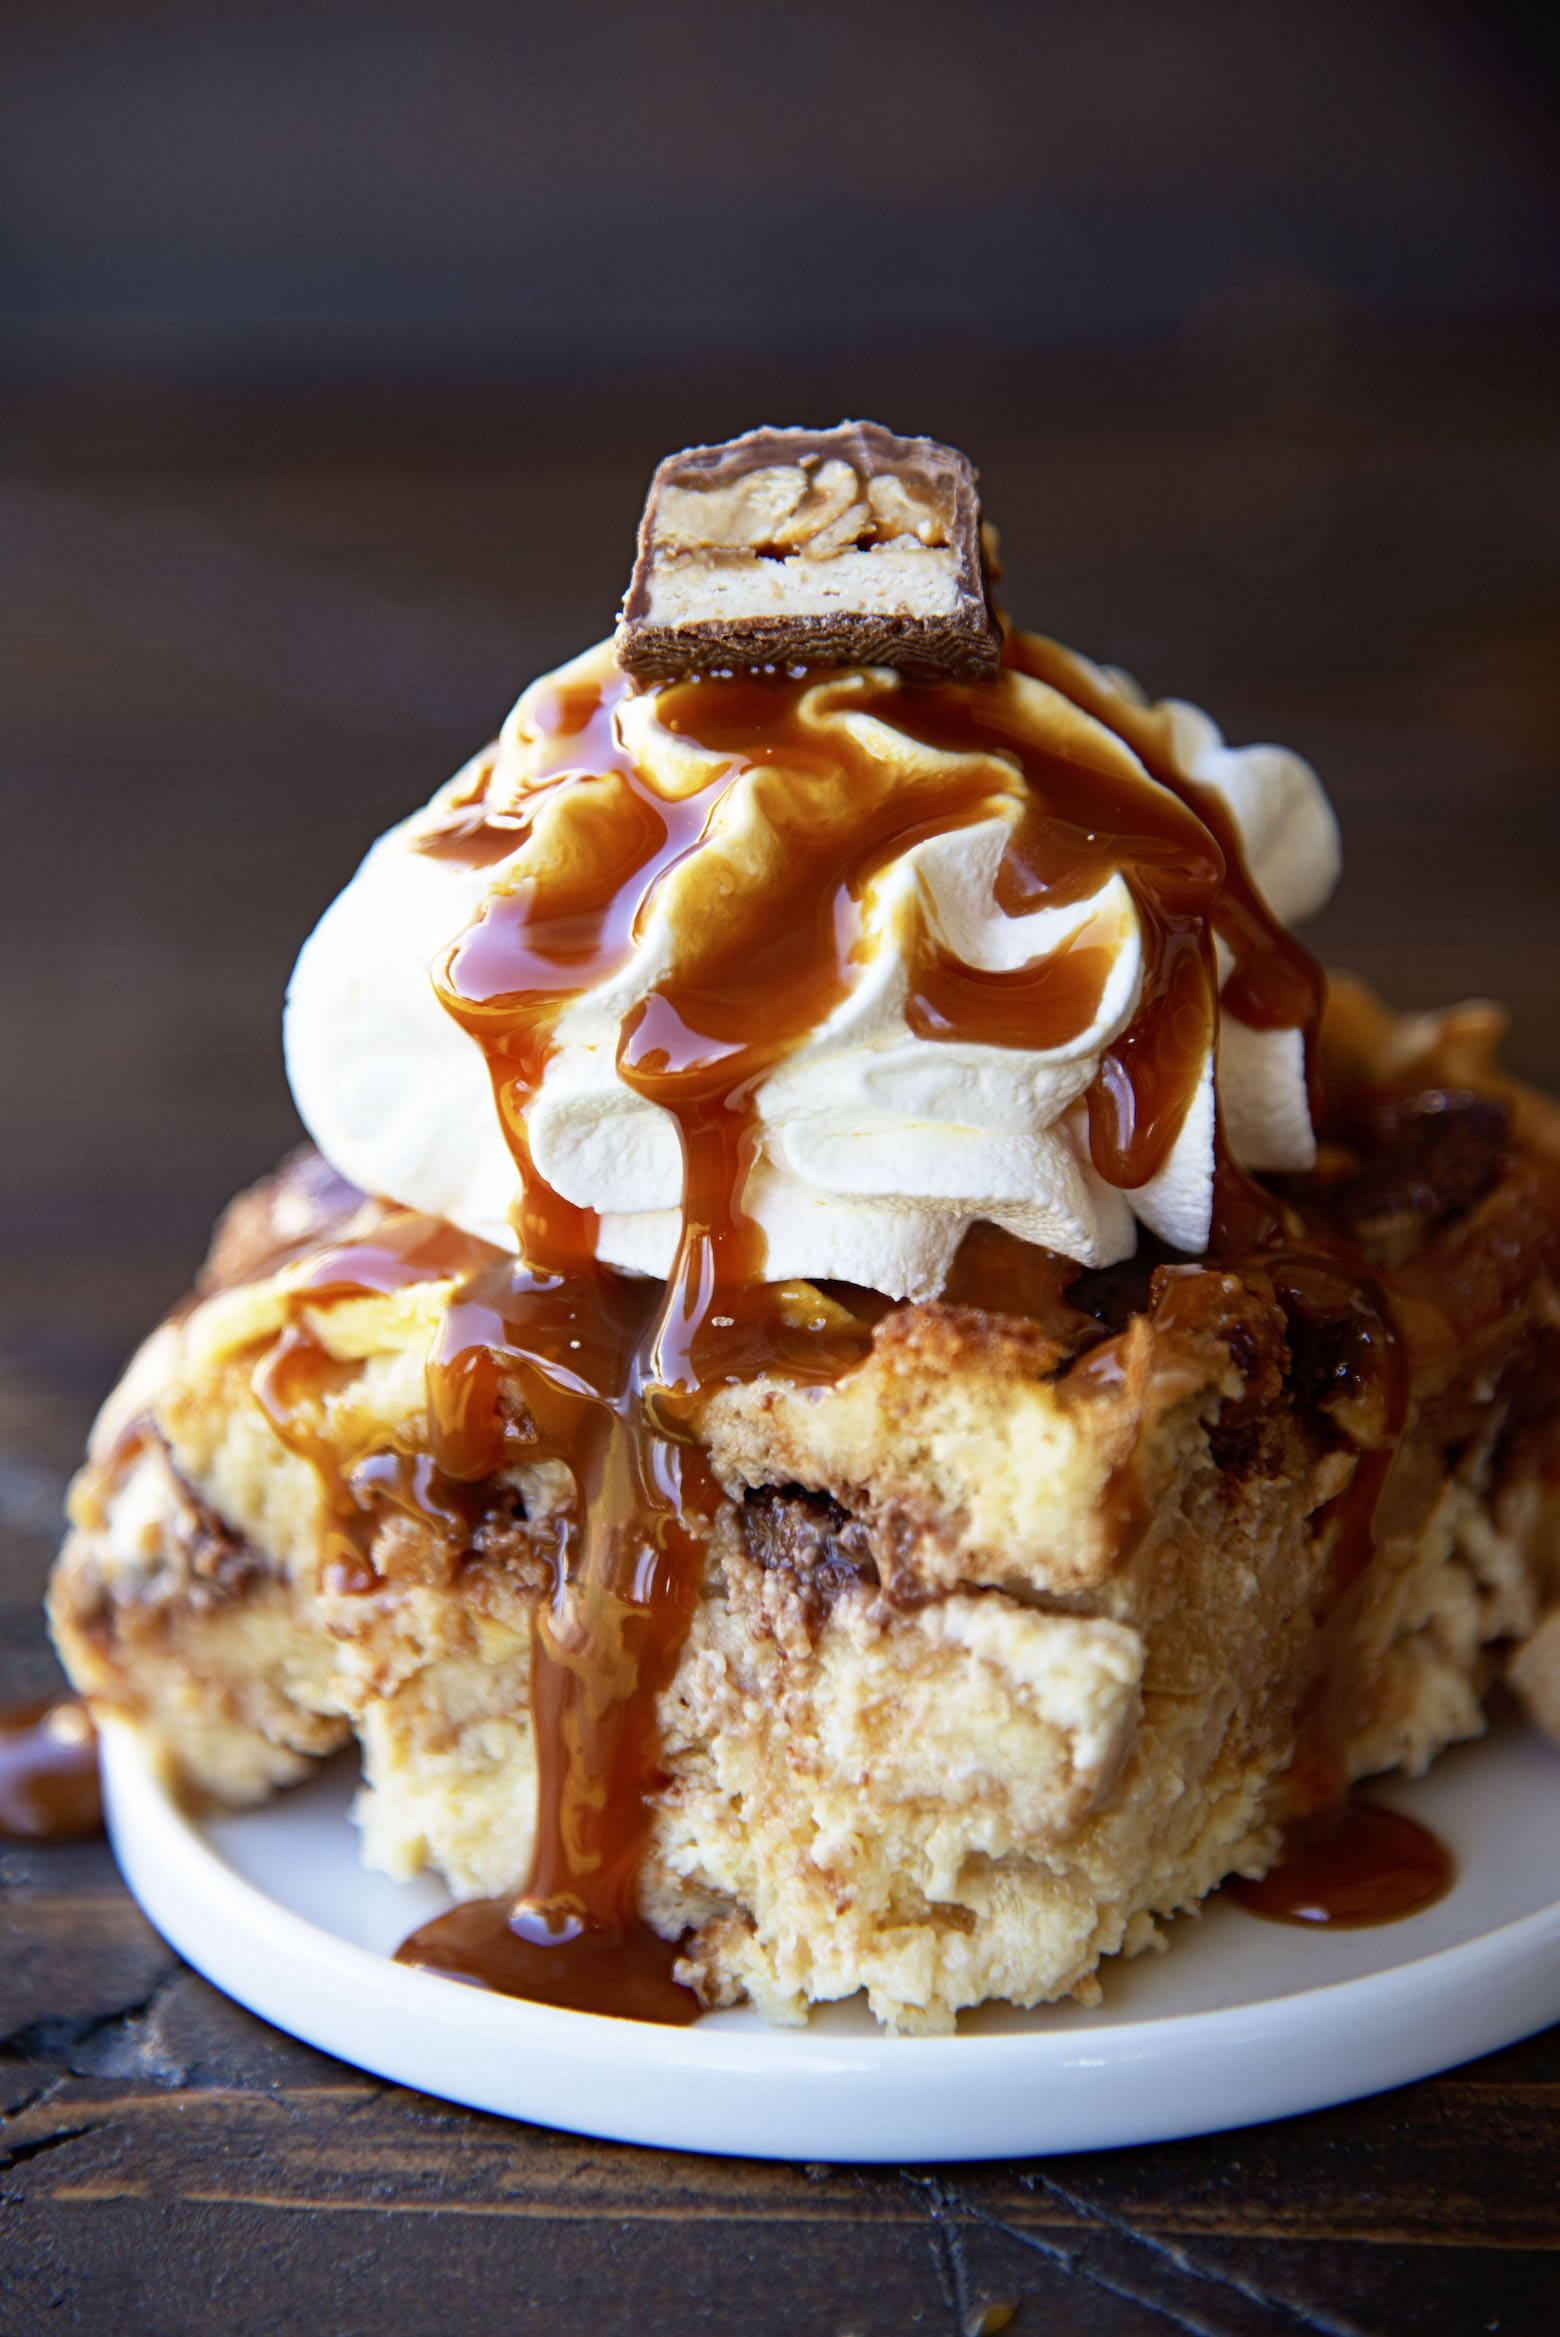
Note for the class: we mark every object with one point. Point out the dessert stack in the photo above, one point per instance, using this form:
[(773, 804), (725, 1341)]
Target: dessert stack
[(871, 1383)]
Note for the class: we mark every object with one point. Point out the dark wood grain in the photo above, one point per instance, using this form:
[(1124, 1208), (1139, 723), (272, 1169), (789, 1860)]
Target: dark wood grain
[(230, 651)]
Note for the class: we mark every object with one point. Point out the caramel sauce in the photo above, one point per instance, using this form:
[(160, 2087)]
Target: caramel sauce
[(1350, 1867), (627, 1571), (560, 1359), (295, 1372), (403, 1248), (577, 726), (1035, 1006), (49, 1789), (491, 1943), (533, 1366), (556, 1358), (1274, 983), (999, 1274)]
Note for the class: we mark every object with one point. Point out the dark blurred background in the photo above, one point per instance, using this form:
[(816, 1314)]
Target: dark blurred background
[(275, 192), (336, 344)]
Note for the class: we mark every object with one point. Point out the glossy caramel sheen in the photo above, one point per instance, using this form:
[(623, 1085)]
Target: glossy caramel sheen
[(536, 1366), (1349, 1868), (49, 1788), (623, 1970), (771, 946), (295, 1371)]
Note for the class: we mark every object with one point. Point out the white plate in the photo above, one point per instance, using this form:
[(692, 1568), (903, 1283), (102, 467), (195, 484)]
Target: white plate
[(1242, 2020)]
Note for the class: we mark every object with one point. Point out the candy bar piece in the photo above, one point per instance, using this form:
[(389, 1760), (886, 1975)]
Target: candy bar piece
[(810, 547)]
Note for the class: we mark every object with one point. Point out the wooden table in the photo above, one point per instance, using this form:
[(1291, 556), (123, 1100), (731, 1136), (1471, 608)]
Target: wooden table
[(233, 645)]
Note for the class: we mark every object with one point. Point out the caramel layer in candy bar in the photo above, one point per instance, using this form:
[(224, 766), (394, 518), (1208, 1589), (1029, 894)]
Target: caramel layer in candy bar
[(810, 547)]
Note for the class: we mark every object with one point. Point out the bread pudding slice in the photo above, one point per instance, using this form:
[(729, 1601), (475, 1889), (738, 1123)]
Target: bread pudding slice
[(1012, 1640)]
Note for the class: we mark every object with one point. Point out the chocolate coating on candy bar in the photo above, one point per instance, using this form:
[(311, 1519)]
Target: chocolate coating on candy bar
[(810, 547)]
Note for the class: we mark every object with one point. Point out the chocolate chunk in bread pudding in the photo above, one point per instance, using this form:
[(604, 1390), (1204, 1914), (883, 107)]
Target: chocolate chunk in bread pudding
[(842, 547)]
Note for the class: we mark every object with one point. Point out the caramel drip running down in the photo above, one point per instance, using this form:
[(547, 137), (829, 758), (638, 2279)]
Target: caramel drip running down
[(1348, 1868), (593, 1369), (1274, 984), (559, 1359), (49, 1790), (782, 950), (296, 1372), (540, 1366)]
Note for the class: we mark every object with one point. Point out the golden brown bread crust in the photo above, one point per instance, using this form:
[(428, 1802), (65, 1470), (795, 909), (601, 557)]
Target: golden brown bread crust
[(1004, 1636)]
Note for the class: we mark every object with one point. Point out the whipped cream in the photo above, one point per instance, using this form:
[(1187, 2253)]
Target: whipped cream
[(876, 1146)]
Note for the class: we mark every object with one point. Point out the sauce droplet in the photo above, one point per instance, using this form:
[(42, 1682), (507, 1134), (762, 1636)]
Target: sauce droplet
[(49, 1788), (1349, 1868), (622, 1970)]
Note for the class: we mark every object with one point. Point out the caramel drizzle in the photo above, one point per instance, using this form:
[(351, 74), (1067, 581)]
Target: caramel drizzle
[(785, 945), (610, 1382), (1274, 983), (1350, 1867), (295, 1371), (49, 1787), (626, 1573), (558, 1358)]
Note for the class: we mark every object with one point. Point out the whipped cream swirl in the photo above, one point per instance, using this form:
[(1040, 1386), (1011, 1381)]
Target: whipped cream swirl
[(876, 1145)]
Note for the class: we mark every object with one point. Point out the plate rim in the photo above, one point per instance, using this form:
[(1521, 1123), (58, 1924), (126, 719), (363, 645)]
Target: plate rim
[(1084, 2088)]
